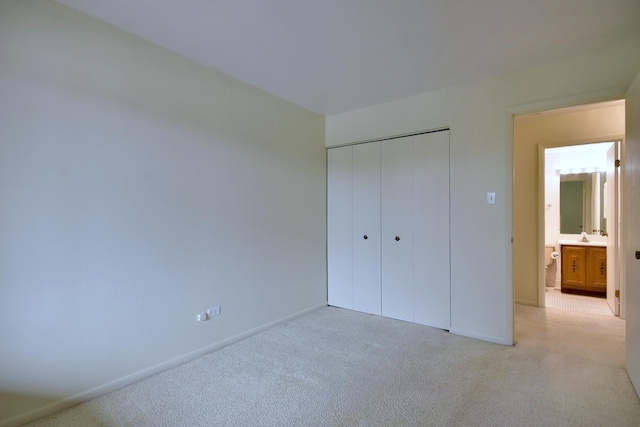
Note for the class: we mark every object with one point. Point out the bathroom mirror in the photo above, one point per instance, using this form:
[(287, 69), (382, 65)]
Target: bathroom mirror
[(582, 203)]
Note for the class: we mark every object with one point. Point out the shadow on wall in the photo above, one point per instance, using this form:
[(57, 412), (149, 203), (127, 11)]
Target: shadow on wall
[(14, 406)]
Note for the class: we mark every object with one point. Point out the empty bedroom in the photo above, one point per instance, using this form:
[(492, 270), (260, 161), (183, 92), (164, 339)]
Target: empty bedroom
[(270, 213)]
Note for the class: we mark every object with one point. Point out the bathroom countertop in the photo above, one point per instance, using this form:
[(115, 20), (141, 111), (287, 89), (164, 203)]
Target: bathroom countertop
[(581, 243)]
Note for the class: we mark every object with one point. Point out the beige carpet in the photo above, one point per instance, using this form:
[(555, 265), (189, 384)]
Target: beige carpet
[(337, 367)]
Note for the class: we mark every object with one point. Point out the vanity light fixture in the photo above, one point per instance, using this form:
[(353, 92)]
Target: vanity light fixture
[(577, 170)]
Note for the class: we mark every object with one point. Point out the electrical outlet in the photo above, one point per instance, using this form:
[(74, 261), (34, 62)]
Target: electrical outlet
[(214, 311)]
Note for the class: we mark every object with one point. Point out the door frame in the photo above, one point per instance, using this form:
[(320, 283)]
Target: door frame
[(619, 304)]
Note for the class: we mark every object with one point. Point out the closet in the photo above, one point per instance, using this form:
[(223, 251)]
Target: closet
[(388, 228)]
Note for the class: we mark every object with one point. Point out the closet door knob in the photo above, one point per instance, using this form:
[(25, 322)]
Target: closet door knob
[(397, 239), (365, 237)]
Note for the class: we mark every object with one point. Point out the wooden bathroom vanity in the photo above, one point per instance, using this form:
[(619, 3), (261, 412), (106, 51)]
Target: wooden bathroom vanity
[(584, 269)]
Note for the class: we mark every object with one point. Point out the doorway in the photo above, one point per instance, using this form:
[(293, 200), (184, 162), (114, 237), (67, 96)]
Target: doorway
[(533, 132)]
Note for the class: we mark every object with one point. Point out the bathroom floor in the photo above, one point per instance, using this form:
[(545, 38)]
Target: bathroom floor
[(554, 298)]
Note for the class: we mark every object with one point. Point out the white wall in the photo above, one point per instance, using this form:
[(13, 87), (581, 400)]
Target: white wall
[(137, 189), (479, 115), (631, 240)]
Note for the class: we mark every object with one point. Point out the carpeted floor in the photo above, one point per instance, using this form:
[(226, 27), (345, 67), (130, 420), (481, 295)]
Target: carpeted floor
[(336, 367)]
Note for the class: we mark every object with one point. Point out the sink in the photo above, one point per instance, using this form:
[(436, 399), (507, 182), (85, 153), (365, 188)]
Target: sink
[(581, 243)]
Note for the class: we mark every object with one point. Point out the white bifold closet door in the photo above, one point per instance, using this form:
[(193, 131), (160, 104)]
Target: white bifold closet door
[(415, 229), (431, 231), (388, 228), (366, 228), (353, 227), (339, 227), (397, 228)]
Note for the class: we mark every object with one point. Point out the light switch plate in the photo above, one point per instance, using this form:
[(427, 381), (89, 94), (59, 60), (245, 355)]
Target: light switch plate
[(491, 198), (214, 311)]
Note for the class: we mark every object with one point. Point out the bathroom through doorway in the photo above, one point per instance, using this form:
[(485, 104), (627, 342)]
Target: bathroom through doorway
[(564, 129), (579, 209)]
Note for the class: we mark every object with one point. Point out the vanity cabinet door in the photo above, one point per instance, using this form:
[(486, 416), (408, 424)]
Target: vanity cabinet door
[(574, 271), (598, 269), (584, 268)]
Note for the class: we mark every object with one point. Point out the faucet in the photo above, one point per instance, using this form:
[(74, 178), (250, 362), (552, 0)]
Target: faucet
[(584, 236)]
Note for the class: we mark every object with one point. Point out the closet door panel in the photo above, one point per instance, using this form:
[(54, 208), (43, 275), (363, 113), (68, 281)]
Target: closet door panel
[(366, 228), (397, 232), (431, 265), (339, 227)]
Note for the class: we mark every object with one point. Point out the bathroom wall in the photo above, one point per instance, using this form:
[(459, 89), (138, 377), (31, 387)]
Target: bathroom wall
[(586, 124)]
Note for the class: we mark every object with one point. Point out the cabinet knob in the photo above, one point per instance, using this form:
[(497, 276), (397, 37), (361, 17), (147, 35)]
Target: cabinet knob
[(365, 237), (397, 239), (573, 267), (602, 268)]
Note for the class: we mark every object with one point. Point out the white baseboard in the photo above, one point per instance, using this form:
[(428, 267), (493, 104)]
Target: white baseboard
[(100, 390), (489, 338), (527, 302)]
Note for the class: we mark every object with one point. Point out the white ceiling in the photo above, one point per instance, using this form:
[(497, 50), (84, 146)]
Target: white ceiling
[(332, 56)]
